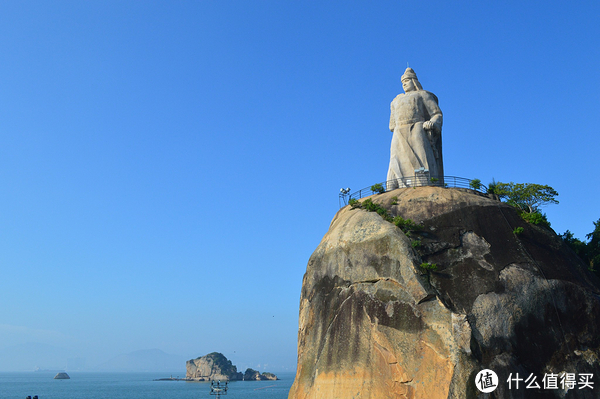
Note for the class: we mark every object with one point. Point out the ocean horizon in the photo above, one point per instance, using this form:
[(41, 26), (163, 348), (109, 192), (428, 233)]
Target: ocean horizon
[(139, 385)]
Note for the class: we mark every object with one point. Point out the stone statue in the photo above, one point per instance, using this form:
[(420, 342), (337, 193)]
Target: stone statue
[(416, 121)]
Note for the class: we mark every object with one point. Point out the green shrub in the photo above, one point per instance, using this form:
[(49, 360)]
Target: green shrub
[(492, 186), (518, 231), (378, 188), (429, 267), (398, 221), (475, 184), (415, 243), (434, 180), (394, 201), (535, 218), (588, 251), (371, 206), (578, 246), (406, 225)]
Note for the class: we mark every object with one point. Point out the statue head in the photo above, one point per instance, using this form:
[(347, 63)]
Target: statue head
[(410, 81)]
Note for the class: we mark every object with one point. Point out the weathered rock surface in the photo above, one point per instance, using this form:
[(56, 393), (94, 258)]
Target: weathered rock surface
[(211, 367), (372, 326)]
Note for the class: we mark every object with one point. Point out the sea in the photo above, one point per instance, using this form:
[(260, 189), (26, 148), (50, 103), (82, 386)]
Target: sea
[(88, 385)]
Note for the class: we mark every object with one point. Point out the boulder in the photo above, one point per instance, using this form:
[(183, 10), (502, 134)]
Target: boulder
[(375, 324)]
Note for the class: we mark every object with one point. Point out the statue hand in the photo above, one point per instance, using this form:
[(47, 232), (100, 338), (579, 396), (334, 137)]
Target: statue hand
[(428, 125)]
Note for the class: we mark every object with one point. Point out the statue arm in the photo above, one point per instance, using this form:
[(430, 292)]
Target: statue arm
[(392, 119), (435, 113), (436, 122)]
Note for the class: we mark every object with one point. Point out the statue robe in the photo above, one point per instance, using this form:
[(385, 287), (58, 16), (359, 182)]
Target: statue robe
[(412, 146)]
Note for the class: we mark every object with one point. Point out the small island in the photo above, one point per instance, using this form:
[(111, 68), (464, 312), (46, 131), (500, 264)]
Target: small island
[(215, 366), (253, 375), (62, 376)]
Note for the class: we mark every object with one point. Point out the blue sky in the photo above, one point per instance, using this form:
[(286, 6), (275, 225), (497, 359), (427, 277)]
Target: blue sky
[(168, 167)]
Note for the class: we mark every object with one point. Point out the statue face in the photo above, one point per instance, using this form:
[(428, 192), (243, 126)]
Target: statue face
[(408, 85)]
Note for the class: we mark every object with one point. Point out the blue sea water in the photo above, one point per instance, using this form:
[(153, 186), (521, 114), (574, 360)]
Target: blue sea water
[(131, 386)]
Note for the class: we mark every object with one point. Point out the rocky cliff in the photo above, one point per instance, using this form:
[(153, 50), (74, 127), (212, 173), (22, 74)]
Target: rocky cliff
[(374, 324), (211, 367)]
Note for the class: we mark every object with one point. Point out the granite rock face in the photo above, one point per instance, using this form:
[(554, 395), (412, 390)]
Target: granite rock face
[(212, 367), (373, 326)]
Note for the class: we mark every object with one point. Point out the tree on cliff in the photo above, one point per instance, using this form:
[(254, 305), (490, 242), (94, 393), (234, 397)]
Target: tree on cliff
[(593, 246), (528, 197), (578, 246), (589, 251)]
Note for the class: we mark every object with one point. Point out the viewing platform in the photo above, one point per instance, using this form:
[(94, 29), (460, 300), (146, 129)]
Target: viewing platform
[(417, 180)]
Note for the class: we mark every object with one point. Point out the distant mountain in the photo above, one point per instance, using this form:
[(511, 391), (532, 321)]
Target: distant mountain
[(29, 356), (145, 360)]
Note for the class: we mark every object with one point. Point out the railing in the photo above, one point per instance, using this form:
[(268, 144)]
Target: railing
[(419, 180)]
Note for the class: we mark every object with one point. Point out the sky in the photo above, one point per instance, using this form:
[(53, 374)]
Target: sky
[(168, 167)]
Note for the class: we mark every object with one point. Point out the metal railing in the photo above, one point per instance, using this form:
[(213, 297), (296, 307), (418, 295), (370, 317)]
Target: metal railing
[(419, 180)]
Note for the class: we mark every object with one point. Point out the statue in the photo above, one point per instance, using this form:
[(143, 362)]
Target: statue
[(416, 121)]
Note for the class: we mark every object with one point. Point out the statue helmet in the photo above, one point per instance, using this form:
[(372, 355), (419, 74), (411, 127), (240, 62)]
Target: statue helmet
[(410, 74)]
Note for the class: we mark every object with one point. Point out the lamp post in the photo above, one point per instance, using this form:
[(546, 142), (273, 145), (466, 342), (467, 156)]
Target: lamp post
[(343, 193), (218, 389)]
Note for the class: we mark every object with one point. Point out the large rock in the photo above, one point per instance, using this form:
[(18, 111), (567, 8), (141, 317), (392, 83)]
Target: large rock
[(211, 367), (373, 326)]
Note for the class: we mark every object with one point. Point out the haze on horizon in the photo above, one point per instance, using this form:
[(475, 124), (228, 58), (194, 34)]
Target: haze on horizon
[(168, 168)]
